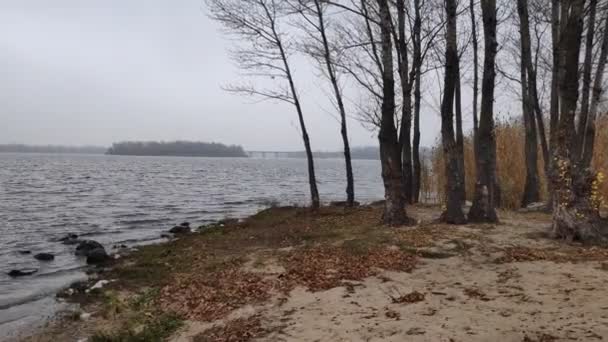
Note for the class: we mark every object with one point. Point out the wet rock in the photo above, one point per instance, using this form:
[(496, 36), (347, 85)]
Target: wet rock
[(22, 273), (44, 257), (98, 256), (25, 252), (85, 247), (180, 230), (185, 224), (69, 239), (166, 235)]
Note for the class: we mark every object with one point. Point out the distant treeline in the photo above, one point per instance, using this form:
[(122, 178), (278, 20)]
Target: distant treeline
[(20, 148), (175, 148)]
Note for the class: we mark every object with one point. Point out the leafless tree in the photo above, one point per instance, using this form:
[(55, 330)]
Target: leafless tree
[(263, 51)]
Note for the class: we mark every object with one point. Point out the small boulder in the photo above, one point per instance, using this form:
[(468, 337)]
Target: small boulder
[(22, 273), (98, 256), (180, 230), (185, 224), (69, 239), (44, 257), (85, 247)]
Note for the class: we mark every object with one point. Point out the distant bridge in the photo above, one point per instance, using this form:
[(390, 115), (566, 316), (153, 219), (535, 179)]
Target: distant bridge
[(272, 154)]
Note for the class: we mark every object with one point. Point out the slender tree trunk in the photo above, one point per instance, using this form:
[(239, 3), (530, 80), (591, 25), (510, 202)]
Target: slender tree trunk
[(576, 215), (484, 201), (528, 86), (312, 179), (554, 110), (587, 66), (475, 72), (390, 149), (417, 98), (405, 134), (350, 184), (460, 138), (453, 213), (589, 131)]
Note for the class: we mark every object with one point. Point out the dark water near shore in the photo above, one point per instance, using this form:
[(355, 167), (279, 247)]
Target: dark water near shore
[(131, 200)]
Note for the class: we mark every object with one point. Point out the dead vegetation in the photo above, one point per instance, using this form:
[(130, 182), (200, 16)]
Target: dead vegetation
[(261, 263)]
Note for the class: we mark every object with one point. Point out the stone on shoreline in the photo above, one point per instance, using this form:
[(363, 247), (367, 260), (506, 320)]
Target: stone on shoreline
[(180, 230), (44, 257), (98, 256), (22, 273), (86, 246)]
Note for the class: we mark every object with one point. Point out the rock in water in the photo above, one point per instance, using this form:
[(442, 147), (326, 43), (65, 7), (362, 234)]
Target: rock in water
[(185, 224), (22, 273), (70, 239), (44, 256), (98, 256), (180, 230), (85, 247)]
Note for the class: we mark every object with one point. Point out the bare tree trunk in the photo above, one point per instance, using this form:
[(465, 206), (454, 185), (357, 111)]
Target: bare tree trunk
[(532, 188), (453, 213), (460, 138), (405, 136), (587, 66), (390, 149), (484, 201), (350, 184), (576, 216), (417, 98), (475, 72), (589, 132), (554, 110)]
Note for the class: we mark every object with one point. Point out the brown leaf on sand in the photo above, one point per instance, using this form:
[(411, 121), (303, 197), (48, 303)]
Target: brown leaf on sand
[(239, 330), (392, 314), (476, 294), (413, 297)]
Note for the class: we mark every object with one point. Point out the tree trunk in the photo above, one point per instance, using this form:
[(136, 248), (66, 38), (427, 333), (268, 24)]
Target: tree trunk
[(532, 187), (589, 132), (350, 184), (460, 138), (587, 66), (405, 134), (576, 215), (417, 98), (312, 179), (554, 110), (475, 71), (453, 213), (484, 201), (390, 150)]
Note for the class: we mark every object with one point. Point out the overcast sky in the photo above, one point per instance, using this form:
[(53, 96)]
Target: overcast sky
[(95, 72)]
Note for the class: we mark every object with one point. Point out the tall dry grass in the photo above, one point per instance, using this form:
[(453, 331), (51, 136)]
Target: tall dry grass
[(511, 164)]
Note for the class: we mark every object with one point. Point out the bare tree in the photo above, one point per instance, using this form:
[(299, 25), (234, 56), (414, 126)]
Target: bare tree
[(314, 14), (453, 213), (484, 201), (390, 149), (264, 52)]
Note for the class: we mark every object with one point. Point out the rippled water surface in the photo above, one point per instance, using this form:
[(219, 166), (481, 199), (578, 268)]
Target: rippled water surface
[(131, 200)]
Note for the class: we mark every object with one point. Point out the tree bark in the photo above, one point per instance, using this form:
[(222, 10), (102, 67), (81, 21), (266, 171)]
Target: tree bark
[(350, 184), (475, 72), (554, 107), (405, 134), (575, 216), (587, 66), (532, 188), (417, 98), (390, 149), (484, 201), (589, 131), (460, 138), (453, 213)]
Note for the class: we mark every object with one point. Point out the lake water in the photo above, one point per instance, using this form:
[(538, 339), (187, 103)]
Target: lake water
[(131, 200)]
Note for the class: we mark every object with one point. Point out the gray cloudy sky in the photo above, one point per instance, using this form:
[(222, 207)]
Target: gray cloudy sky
[(95, 72)]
